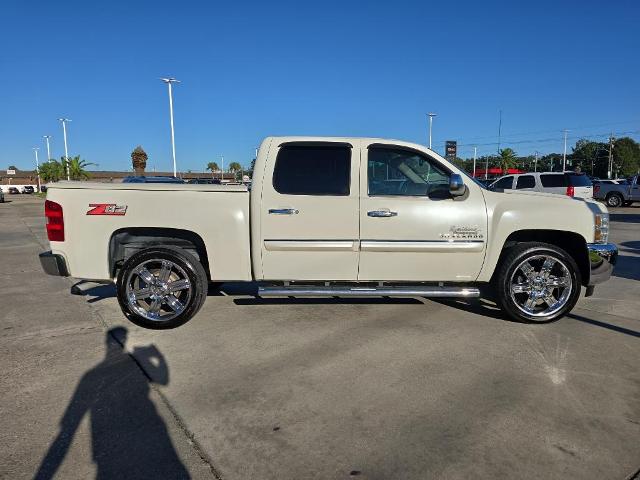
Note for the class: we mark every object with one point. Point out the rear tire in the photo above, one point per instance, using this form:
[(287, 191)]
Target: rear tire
[(161, 287), (614, 200), (537, 283)]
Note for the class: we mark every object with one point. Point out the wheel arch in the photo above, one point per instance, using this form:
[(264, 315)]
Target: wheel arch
[(125, 242), (573, 243)]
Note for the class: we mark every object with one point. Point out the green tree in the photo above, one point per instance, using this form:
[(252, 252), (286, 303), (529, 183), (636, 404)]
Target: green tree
[(77, 168), (213, 167), (507, 159), (251, 168), (626, 157), (235, 167), (52, 171)]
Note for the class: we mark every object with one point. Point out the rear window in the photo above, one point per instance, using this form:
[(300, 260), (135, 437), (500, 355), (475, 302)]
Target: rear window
[(551, 180), (312, 170), (578, 180), (526, 181)]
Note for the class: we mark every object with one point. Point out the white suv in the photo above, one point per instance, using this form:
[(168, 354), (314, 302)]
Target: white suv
[(568, 183)]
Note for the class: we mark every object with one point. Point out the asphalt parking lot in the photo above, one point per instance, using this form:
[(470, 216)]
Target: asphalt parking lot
[(313, 388)]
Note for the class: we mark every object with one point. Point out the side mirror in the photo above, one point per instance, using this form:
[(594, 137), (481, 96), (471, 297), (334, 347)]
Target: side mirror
[(456, 185)]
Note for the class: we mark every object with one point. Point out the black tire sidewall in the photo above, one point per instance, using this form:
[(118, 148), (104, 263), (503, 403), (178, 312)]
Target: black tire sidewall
[(513, 259), (619, 199), (187, 262)]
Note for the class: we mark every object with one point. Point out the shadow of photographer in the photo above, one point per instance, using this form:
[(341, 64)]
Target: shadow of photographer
[(129, 438)]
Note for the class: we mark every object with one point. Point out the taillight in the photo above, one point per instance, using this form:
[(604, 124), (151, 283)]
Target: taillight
[(55, 221), (570, 191), (596, 189)]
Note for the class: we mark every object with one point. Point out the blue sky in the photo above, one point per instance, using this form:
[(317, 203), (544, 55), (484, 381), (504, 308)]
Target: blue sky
[(252, 69)]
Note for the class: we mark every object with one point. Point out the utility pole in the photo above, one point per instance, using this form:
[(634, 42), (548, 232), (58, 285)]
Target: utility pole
[(431, 115), (222, 174), (535, 165), (486, 167), (169, 81), (66, 151), (499, 131), (475, 155), (35, 149), (564, 155), (610, 165), (46, 138)]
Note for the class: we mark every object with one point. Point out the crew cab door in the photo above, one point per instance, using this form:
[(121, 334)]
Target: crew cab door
[(411, 229), (309, 211)]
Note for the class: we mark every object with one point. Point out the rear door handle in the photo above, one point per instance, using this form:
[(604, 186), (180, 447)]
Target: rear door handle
[(382, 213), (283, 211)]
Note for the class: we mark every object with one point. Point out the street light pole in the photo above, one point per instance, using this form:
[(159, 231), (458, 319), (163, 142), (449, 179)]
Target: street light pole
[(46, 138), (431, 115), (66, 151), (564, 155), (169, 81), (222, 174), (35, 149), (535, 165)]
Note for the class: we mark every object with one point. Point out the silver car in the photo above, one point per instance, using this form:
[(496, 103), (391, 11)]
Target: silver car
[(568, 183)]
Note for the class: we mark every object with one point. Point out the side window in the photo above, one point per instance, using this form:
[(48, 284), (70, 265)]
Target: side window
[(505, 183), (553, 180), (526, 181), (313, 170), (403, 172)]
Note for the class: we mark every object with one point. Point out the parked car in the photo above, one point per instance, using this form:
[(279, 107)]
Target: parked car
[(205, 181), (144, 179), (568, 183), (619, 194), (28, 189), (330, 217), (14, 190), (1, 196)]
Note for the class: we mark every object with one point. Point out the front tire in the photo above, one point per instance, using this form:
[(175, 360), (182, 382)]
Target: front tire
[(161, 287), (537, 283)]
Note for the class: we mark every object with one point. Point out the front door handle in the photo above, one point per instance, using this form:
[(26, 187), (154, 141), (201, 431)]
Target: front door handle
[(382, 213), (283, 211)]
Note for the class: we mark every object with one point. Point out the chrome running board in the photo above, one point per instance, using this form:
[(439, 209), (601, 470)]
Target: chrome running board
[(320, 291)]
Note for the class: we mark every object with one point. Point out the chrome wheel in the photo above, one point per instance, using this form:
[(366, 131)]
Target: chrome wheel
[(158, 290), (541, 285)]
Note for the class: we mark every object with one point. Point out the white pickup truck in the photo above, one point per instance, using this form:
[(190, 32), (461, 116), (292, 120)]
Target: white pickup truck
[(330, 217)]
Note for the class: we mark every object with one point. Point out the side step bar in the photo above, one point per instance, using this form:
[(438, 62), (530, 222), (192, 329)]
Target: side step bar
[(429, 292)]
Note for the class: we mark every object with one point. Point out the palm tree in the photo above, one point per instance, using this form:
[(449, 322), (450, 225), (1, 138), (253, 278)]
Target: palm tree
[(507, 159), (76, 168), (213, 167), (139, 160), (235, 167)]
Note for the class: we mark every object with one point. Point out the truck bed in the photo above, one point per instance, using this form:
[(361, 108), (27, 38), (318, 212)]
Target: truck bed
[(95, 212)]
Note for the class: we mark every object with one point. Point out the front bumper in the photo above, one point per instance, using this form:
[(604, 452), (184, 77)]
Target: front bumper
[(602, 258), (53, 264)]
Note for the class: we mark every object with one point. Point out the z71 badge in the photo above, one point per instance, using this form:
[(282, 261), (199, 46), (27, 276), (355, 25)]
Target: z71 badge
[(107, 209)]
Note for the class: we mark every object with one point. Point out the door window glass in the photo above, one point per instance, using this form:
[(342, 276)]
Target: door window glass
[(313, 170), (404, 172), (505, 183), (526, 181), (552, 180)]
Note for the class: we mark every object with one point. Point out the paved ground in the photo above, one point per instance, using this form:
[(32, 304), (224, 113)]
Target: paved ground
[(293, 389)]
